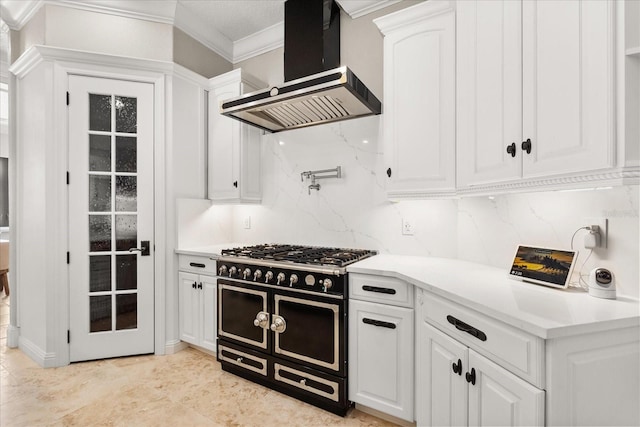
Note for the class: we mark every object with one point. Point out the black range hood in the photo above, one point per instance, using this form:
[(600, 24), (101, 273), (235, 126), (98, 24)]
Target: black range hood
[(317, 89)]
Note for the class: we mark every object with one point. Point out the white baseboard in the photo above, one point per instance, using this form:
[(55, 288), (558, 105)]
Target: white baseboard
[(13, 336), (383, 416), (42, 358), (172, 347)]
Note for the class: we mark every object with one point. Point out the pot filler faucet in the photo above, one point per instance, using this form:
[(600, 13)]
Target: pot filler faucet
[(320, 174)]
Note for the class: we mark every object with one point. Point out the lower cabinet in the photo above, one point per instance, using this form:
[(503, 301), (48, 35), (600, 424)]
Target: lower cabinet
[(381, 357), (457, 386), (197, 295)]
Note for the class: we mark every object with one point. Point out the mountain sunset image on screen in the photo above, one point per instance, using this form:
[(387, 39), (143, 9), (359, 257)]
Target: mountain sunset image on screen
[(549, 266)]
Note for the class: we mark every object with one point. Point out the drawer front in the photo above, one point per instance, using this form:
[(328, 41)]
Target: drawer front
[(515, 350), (385, 290), (243, 359), (197, 264)]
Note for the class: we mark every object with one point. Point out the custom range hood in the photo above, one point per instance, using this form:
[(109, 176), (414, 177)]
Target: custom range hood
[(317, 89)]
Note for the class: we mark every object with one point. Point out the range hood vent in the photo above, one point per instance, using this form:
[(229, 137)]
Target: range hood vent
[(317, 89)]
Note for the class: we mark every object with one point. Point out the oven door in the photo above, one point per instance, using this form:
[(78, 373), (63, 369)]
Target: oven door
[(310, 331), (243, 314)]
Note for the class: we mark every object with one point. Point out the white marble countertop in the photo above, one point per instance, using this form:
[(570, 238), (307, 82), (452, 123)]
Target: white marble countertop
[(542, 311), (212, 251)]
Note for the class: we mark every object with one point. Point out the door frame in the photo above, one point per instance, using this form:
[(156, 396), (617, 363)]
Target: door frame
[(159, 203), (57, 64)]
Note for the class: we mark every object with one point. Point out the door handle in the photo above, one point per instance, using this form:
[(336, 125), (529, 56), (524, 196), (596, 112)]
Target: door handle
[(143, 249)]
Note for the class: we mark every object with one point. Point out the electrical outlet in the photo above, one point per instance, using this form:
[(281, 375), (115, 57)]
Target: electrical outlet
[(407, 227), (601, 222), (247, 222)]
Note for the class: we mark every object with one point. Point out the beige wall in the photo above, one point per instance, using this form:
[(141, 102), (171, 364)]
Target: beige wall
[(31, 34), (360, 50), (195, 56)]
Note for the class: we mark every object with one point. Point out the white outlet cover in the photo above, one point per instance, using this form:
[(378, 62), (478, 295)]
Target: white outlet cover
[(603, 223), (247, 222), (407, 227)]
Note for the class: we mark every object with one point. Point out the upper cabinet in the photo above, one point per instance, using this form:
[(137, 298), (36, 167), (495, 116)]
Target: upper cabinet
[(536, 95), (419, 99), (234, 147)]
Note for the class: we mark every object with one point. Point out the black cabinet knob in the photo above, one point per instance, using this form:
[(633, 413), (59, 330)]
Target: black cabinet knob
[(526, 146), (235, 184), (511, 149), (457, 367), (194, 285), (389, 172), (471, 377), (200, 285)]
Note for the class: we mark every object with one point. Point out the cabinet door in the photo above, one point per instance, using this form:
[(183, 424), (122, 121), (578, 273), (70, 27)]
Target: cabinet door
[(419, 116), (250, 181), (224, 135), (189, 308), (208, 293), (441, 393), (499, 398), (489, 91), (568, 91), (381, 357)]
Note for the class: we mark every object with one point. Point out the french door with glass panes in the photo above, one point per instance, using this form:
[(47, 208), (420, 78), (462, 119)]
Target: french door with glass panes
[(111, 261)]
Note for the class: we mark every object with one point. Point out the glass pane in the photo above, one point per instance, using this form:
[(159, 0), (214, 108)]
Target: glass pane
[(126, 232), (100, 153), (126, 272), (126, 160), (99, 193), (126, 114), (100, 112), (99, 233), (100, 273), (127, 311), (100, 313), (126, 194)]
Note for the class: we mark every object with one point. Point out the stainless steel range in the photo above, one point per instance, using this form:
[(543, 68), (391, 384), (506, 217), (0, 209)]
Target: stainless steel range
[(282, 319)]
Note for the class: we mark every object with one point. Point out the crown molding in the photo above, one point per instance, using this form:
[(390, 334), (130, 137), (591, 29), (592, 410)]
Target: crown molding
[(113, 9), (15, 14), (193, 26), (258, 43), (357, 8), (413, 14)]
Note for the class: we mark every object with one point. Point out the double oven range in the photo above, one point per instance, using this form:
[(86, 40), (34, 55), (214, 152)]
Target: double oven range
[(282, 319)]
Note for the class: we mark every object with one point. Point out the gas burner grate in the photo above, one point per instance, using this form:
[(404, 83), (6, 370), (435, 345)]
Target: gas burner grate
[(313, 255)]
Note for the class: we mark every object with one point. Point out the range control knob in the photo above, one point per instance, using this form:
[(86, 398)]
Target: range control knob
[(268, 276), (246, 273), (280, 278), (309, 280), (257, 275), (293, 279), (232, 271), (326, 285), (222, 270)]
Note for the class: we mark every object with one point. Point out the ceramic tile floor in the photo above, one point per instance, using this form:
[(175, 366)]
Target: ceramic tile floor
[(184, 389)]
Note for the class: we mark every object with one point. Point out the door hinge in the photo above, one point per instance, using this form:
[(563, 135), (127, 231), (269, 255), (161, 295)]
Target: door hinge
[(68, 336), (67, 97), (68, 257), (67, 177)]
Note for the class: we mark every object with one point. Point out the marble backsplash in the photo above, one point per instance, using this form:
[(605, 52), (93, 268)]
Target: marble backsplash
[(354, 212)]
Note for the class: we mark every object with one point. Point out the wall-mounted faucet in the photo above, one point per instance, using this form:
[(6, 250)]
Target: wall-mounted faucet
[(320, 174)]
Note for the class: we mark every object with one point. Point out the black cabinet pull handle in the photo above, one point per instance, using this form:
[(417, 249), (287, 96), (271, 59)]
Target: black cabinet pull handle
[(471, 377), (461, 326), (389, 172), (197, 264), (457, 367), (379, 323), (526, 145), (235, 184), (200, 285), (379, 290), (511, 149)]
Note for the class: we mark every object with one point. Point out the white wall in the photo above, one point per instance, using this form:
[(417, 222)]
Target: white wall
[(354, 212)]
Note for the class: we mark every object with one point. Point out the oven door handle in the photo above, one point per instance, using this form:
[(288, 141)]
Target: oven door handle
[(380, 323), (279, 325)]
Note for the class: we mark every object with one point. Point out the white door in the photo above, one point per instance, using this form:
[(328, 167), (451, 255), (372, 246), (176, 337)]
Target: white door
[(441, 393), (111, 276), (499, 398), (489, 91), (568, 85)]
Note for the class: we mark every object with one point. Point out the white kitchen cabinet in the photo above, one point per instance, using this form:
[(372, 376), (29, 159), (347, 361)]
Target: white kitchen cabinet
[(457, 386), (234, 147), (535, 92), (381, 344), (197, 304), (419, 100)]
